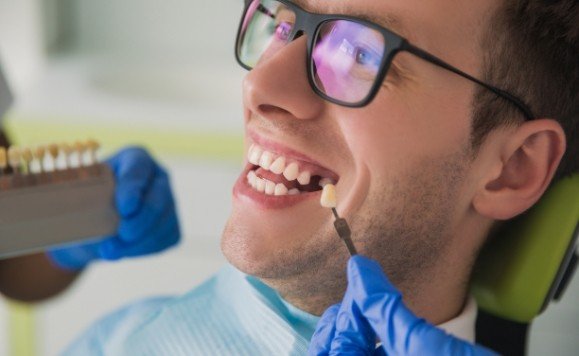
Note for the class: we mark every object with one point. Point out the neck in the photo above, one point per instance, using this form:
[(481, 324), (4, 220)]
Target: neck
[(314, 290), (436, 299), (437, 293), (437, 296)]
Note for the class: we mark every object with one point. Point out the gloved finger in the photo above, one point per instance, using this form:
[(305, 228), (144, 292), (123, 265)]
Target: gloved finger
[(133, 169), (157, 203), (399, 330), (159, 238), (353, 335), (74, 257), (322, 339)]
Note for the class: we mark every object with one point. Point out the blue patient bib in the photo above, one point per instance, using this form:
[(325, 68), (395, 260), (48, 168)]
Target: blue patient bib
[(230, 314)]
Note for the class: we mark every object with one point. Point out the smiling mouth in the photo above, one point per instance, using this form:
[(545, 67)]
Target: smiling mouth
[(275, 174)]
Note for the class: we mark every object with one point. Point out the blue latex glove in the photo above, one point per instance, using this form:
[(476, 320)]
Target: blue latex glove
[(372, 311), (148, 218)]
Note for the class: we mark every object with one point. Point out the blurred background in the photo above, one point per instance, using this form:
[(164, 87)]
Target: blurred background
[(160, 74)]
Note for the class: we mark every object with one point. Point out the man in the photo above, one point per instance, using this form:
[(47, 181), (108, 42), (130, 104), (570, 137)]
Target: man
[(144, 200), (425, 157)]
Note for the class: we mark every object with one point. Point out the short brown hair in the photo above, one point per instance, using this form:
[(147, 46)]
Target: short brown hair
[(531, 50)]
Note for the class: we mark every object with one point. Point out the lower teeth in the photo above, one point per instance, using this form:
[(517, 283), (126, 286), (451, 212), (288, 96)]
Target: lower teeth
[(268, 187), (271, 188), (294, 191)]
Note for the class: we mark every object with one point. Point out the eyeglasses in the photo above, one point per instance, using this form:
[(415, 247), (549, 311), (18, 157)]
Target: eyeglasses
[(347, 57)]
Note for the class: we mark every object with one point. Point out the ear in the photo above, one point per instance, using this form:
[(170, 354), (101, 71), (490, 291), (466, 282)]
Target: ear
[(526, 162)]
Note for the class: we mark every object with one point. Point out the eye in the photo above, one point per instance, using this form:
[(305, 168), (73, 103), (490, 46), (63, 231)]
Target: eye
[(365, 57)]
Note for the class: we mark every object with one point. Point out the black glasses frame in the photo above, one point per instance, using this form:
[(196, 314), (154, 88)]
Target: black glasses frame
[(310, 23)]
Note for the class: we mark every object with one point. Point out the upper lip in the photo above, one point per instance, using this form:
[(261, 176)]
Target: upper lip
[(289, 153)]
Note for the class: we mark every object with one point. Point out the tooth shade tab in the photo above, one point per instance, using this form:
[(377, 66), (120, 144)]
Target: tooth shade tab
[(93, 145), (328, 198), (53, 151), (66, 149), (40, 152), (3, 158), (27, 155), (14, 157)]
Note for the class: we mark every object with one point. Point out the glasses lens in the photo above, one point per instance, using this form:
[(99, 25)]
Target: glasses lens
[(346, 60), (265, 29)]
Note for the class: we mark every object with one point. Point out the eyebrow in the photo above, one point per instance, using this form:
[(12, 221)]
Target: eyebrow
[(386, 20)]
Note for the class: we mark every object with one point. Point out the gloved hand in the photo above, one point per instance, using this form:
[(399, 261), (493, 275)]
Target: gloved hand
[(372, 311), (148, 218)]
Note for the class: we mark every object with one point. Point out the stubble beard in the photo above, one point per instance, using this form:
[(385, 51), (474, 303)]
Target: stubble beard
[(404, 224)]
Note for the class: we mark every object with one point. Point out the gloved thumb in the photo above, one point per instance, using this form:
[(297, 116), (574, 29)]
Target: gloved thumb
[(134, 170)]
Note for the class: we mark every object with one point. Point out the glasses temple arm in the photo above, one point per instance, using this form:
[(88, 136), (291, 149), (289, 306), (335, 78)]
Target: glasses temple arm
[(434, 60)]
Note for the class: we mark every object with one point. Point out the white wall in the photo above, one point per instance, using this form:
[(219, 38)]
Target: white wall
[(21, 42)]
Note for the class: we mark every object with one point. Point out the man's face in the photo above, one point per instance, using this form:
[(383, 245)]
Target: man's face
[(401, 164)]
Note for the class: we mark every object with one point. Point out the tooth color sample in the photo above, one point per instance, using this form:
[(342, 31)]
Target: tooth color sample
[(328, 199)]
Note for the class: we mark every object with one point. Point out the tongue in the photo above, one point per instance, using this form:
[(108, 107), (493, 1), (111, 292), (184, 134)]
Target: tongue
[(276, 178)]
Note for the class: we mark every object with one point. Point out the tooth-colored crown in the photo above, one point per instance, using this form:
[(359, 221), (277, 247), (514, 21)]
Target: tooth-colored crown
[(79, 146), (65, 148), (92, 145), (3, 158), (14, 156), (27, 155), (329, 199), (53, 150), (40, 152)]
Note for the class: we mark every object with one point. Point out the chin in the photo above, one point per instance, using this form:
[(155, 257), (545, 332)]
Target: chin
[(247, 254), (267, 251)]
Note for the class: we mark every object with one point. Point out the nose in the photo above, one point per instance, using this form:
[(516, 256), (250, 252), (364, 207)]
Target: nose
[(278, 86)]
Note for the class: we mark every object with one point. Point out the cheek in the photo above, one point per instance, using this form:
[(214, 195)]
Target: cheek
[(391, 133)]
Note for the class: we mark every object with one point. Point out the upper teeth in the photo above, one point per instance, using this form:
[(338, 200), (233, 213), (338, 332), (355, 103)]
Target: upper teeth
[(279, 165), (266, 160), (304, 178), (291, 172)]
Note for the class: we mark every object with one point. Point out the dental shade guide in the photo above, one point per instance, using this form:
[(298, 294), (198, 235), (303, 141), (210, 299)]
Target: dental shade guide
[(329, 200), (42, 204)]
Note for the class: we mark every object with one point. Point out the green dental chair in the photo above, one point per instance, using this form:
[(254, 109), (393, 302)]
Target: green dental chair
[(527, 264)]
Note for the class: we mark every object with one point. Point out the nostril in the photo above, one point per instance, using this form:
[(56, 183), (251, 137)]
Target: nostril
[(271, 109)]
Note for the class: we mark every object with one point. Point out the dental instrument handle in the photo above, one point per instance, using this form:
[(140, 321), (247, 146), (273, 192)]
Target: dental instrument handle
[(335, 213), (345, 234)]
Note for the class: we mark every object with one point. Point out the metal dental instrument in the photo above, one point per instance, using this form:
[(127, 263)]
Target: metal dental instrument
[(328, 200)]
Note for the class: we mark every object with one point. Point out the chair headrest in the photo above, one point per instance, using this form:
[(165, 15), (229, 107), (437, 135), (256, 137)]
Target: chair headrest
[(528, 262)]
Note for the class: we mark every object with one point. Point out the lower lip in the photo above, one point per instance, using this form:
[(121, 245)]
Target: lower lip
[(243, 191)]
